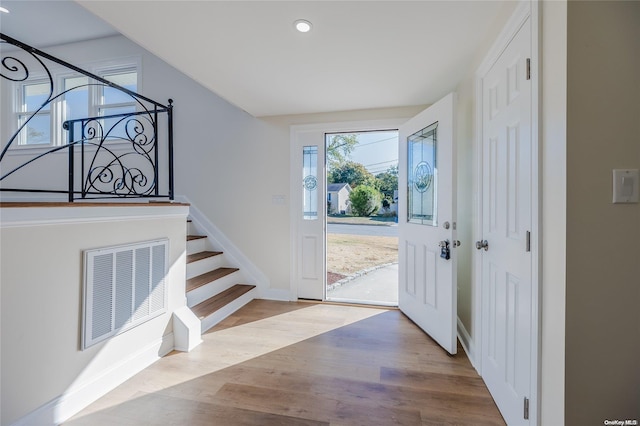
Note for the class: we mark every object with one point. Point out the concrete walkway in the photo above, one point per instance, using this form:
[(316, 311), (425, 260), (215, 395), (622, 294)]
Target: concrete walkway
[(379, 286)]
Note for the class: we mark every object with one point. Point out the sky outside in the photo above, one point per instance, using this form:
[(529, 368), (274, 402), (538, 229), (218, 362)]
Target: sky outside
[(377, 151)]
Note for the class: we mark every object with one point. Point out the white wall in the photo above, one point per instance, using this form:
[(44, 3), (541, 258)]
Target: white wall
[(602, 369), (466, 172), (41, 284)]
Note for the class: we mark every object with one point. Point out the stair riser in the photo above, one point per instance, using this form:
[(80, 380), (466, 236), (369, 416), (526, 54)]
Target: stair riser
[(205, 265), (222, 313), (191, 229), (196, 246), (201, 294)]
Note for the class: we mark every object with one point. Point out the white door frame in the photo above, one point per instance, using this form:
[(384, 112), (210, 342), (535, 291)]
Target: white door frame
[(320, 129), (524, 10)]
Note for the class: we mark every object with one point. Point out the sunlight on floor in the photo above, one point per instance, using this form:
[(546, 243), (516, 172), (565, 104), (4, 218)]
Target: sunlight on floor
[(234, 345)]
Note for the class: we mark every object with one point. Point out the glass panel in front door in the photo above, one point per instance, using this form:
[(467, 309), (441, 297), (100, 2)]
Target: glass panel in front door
[(422, 176)]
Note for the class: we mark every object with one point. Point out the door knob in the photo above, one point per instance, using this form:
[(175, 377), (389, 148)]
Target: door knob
[(484, 244)]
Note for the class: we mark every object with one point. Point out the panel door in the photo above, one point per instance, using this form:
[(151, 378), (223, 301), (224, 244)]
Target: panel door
[(506, 216), (427, 222)]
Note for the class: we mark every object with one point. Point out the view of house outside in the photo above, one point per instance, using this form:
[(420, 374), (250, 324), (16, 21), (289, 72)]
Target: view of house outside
[(362, 236)]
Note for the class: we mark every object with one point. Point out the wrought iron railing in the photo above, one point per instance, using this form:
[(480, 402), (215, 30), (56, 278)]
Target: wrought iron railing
[(127, 155)]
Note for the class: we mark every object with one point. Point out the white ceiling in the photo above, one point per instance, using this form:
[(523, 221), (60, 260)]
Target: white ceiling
[(48, 23), (359, 54)]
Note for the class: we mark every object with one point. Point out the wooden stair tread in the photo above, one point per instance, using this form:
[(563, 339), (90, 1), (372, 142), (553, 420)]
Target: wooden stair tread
[(195, 237), (208, 277), (211, 305), (202, 255)]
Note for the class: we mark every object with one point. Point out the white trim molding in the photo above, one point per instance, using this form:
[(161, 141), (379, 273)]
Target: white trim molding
[(77, 397), (279, 294), (295, 219), (231, 251), (467, 343), (33, 216)]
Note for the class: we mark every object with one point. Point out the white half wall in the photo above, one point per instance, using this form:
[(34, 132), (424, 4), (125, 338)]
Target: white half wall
[(46, 377)]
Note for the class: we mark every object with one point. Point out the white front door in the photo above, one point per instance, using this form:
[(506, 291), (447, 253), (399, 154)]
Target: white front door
[(506, 225), (427, 222)]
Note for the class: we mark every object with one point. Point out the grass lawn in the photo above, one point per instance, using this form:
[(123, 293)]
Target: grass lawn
[(357, 220), (347, 254)]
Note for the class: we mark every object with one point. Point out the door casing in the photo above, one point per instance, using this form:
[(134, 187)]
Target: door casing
[(316, 133)]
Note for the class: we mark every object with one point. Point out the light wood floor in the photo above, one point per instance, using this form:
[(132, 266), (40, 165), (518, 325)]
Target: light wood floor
[(279, 363)]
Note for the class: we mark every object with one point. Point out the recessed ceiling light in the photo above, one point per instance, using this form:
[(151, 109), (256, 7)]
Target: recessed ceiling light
[(4, 9), (302, 25)]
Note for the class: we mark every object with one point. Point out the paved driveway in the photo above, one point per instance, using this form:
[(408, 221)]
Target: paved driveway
[(375, 230)]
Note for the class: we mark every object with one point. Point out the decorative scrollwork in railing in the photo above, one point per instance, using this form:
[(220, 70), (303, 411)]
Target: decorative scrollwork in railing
[(118, 159), (8, 68), (109, 156)]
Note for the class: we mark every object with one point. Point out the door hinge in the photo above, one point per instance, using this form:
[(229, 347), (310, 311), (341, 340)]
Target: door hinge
[(528, 241), (528, 68), (526, 408)]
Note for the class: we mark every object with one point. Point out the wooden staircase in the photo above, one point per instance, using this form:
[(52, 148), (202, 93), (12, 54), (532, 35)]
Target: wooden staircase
[(212, 288)]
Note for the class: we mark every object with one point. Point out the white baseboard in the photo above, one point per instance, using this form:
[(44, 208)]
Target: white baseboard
[(467, 343), (78, 397), (283, 295), (233, 253)]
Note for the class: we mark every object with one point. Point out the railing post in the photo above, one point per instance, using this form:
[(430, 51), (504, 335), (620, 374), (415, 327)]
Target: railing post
[(170, 147), (83, 183), (156, 147), (71, 165)]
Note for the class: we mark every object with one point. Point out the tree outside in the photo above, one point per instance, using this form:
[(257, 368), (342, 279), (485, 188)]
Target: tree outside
[(354, 174), (365, 200), (388, 182), (339, 149)]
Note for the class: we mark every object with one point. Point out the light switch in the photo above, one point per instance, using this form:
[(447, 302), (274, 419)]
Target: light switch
[(625, 185)]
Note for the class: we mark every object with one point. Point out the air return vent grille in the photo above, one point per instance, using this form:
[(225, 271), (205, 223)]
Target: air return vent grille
[(124, 286)]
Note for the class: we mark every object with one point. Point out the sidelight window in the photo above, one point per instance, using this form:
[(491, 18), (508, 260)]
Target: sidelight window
[(310, 182)]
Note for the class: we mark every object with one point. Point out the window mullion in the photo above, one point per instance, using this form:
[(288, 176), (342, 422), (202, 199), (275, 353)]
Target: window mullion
[(95, 99)]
